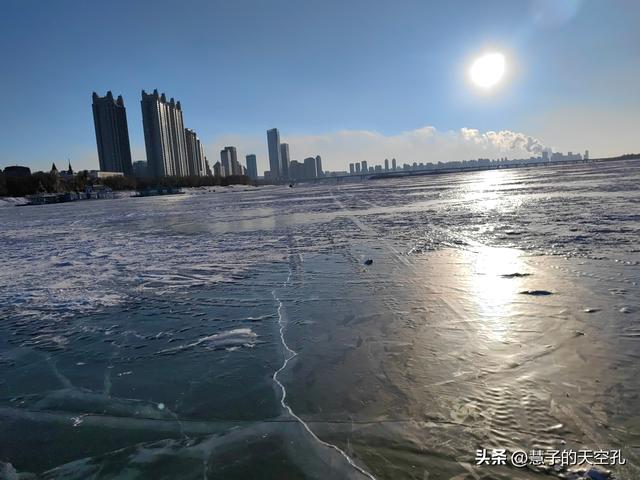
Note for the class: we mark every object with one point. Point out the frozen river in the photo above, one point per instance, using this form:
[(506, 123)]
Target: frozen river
[(155, 337)]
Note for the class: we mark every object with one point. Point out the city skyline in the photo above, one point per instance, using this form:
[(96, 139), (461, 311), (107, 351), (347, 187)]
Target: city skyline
[(177, 151), (188, 156), (558, 90), (279, 155)]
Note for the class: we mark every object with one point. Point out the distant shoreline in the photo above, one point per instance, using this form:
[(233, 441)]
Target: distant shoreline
[(439, 171), (459, 169)]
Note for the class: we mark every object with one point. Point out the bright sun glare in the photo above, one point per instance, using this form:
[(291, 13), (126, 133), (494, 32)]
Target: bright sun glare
[(488, 70)]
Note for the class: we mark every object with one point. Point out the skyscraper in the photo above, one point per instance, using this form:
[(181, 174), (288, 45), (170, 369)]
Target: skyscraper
[(112, 134), (357, 167), (365, 169), (195, 154), (275, 160), (218, 170), (351, 169), (235, 164), (309, 166), (225, 162), (319, 172), (284, 160), (386, 164), (229, 160), (206, 171), (393, 164), (296, 170), (252, 166), (164, 135)]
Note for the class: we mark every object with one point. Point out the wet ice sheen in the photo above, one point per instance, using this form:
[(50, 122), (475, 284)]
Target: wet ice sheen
[(157, 337)]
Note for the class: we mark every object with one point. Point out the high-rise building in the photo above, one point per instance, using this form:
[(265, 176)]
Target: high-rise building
[(164, 135), (284, 160), (357, 167), (309, 166), (252, 166), (229, 160), (195, 154), (319, 172), (275, 160), (586, 155), (112, 134), (296, 170), (351, 168), (206, 171), (218, 170), (393, 164), (225, 162), (386, 164), (236, 168), (365, 169)]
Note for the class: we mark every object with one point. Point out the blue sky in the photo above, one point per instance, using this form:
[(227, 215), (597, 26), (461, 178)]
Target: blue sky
[(323, 72)]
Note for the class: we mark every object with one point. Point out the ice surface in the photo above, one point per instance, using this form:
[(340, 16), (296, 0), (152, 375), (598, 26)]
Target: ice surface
[(140, 336)]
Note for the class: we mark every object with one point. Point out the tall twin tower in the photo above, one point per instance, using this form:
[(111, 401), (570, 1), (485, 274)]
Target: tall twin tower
[(112, 134), (172, 150)]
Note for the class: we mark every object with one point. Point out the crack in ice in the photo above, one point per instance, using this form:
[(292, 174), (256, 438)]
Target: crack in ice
[(288, 355)]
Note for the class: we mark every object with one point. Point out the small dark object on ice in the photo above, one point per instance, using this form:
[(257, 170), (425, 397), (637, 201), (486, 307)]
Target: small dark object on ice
[(368, 261), (536, 292), (291, 185), (515, 275)]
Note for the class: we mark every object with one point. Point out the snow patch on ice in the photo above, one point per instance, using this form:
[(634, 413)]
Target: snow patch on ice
[(231, 340)]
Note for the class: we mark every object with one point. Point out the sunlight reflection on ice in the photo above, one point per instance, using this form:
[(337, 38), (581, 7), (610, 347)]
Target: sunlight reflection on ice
[(485, 193), (492, 292)]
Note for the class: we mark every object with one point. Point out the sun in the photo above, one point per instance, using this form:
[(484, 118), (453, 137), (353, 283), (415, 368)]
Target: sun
[(487, 70)]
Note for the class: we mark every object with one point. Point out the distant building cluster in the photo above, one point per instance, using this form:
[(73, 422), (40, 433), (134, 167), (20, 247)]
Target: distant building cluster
[(228, 164), (172, 149), (282, 168), (362, 168)]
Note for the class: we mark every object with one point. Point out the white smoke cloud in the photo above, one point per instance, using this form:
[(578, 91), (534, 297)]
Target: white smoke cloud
[(505, 140), (426, 144)]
